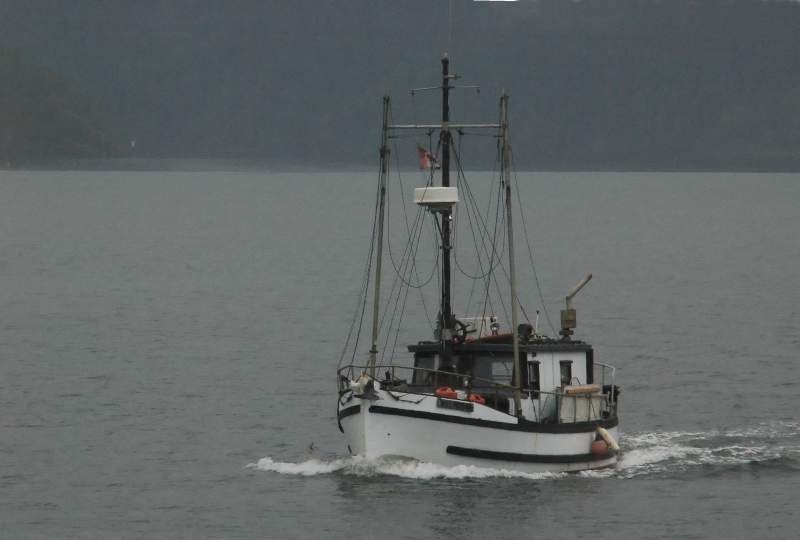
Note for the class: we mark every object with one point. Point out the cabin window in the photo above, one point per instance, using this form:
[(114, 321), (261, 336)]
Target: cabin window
[(533, 378), (566, 372), (425, 362), (465, 365), (590, 366), (492, 367), (446, 373), (502, 370)]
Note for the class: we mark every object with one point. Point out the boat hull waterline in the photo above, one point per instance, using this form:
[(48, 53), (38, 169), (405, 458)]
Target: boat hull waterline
[(419, 429)]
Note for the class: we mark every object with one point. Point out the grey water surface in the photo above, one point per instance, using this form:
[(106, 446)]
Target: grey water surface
[(168, 343)]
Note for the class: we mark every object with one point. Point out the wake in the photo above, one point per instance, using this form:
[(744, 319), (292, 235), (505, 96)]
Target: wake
[(404, 468), (675, 451), (644, 454)]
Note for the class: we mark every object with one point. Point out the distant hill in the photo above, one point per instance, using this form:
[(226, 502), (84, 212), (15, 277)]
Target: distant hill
[(626, 84), (42, 119)]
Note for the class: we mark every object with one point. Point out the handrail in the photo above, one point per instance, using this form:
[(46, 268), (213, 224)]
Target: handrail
[(363, 368), (613, 370), (545, 398), (428, 370)]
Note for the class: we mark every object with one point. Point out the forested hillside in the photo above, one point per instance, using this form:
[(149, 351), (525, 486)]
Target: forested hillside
[(629, 84), (42, 120)]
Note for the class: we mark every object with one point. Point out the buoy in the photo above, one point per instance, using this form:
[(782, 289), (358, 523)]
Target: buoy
[(599, 448), (446, 392), (477, 398), (608, 438)]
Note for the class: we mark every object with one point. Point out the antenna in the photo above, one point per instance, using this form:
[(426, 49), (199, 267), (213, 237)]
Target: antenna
[(450, 25)]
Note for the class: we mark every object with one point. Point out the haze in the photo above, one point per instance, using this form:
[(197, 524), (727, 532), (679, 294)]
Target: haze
[(594, 85)]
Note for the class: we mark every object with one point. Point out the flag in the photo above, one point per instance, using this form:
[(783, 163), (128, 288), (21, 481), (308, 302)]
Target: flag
[(426, 159)]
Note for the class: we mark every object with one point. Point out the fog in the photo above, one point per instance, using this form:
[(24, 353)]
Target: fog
[(594, 85)]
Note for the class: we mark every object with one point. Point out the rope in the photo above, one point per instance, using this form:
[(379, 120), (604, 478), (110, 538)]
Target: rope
[(530, 250), (420, 217), (491, 274), (407, 262), (362, 298), (408, 231), (406, 268)]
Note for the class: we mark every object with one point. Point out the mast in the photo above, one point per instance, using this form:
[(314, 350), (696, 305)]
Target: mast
[(373, 352), (505, 171), (446, 307)]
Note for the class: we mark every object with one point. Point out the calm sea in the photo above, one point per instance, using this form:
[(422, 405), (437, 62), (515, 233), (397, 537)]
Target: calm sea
[(168, 344)]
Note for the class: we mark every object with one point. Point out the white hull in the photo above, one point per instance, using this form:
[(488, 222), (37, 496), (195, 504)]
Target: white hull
[(415, 427)]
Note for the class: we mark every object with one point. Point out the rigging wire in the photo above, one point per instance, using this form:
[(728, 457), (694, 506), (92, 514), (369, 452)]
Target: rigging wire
[(483, 233), (420, 215), (494, 251), (500, 263), (472, 202), (408, 266), (399, 281), (470, 197), (488, 209), (530, 250), (456, 234), (363, 293), (399, 322), (403, 276), (408, 231), (396, 283), (453, 230), (484, 275)]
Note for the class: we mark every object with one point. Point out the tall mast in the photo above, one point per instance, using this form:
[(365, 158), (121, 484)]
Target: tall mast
[(505, 171), (373, 352), (446, 308)]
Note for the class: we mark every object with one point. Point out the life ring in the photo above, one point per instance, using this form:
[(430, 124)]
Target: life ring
[(446, 392), (477, 398)]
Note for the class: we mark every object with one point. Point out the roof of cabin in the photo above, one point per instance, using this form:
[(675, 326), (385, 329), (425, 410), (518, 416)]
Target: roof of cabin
[(534, 346)]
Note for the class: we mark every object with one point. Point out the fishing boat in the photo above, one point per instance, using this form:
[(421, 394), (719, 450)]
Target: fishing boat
[(472, 392)]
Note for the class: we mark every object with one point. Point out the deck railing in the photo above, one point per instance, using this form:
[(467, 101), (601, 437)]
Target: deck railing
[(542, 406), (606, 374)]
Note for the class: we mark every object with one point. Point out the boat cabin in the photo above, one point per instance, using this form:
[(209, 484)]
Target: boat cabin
[(551, 373)]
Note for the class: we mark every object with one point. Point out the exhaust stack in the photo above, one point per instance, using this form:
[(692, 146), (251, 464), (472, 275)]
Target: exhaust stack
[(569, 318)]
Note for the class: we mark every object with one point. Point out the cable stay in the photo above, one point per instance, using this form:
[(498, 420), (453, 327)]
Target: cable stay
[(511, 395), (488, 237)]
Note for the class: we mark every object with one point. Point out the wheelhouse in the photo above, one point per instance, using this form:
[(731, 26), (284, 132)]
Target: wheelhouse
[(559, 379), (544, 365)]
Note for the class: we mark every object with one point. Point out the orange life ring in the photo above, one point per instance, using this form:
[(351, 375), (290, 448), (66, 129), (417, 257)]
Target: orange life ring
[(446, 392), (477, 398)]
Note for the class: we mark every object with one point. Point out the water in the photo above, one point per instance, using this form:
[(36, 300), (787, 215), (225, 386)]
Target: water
[(168, 341)]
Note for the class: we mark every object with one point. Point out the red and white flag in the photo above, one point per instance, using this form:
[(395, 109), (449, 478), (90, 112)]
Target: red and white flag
[(426, 159)]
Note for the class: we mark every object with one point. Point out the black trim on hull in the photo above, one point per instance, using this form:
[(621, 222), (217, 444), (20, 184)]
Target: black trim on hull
[(524, 458), (349, 411), (523, 425)]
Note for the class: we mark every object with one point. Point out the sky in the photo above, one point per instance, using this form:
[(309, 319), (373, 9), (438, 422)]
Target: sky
[(624, 84)]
